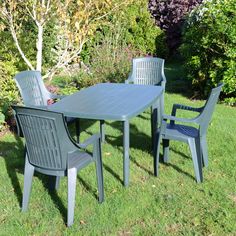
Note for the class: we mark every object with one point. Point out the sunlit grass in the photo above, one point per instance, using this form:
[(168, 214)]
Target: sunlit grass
[(172, 204)]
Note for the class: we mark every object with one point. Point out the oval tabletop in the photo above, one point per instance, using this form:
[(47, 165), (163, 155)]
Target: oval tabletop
[(108, 101)]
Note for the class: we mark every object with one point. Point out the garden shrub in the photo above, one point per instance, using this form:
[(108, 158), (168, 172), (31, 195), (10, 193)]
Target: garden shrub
[(209, 47), (139, 31), (127, 33), (8, 91), (111, 61), (72, 83), (169, 16)]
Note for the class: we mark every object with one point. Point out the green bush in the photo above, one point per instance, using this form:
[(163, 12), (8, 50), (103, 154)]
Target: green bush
[(74, 82), (133, 26), (8, 91), (209, 47), (111, 61), (140, 30)]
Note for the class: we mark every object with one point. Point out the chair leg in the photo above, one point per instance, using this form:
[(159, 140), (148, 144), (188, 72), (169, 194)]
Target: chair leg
[(154, 125), (166, 150), (193, 145), (99, 172), (28, 176), (204, 150), (157, 155), (54, 182), (199, 157), (72, 174), (102, 130), (57, 184)]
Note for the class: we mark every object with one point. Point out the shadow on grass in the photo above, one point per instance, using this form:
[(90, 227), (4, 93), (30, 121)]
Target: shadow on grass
[(138, 139), (13, 154), (108, 168), (84, 124), (178, 169), (176, 79)]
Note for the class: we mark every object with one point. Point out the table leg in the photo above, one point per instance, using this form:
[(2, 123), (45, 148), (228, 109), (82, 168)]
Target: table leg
[(161, 110), (77, 129), (102, 130), (154, 121), (126, 152)]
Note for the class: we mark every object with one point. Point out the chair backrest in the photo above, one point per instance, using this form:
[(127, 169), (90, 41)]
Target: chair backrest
[(32, 88), (148, 71), (207, 112), (46, 137)]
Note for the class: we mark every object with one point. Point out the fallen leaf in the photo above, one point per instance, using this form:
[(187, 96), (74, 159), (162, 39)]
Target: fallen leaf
[(82, 222)]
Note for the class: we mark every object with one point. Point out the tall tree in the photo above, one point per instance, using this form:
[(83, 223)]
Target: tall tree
[(169, 16), (75, 22)]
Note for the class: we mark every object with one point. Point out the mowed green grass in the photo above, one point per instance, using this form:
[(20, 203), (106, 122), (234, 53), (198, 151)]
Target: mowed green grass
[(171, 204)]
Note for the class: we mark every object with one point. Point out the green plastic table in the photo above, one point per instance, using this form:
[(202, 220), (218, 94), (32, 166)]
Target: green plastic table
[(118, 102)]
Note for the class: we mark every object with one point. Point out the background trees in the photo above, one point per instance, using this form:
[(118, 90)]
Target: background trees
[(169, 16), (209, 47), (69, 23), (79, 43)]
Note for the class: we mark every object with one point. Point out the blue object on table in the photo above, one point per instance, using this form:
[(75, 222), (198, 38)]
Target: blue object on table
[(110, 101)]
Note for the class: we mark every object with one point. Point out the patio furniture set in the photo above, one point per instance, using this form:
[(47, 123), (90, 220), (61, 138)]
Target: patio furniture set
[(51, 150)]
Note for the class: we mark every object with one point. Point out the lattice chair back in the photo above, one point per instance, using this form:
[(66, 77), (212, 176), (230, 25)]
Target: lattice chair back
[(45, 134), (32, 88), (207, 112), (148, 71)]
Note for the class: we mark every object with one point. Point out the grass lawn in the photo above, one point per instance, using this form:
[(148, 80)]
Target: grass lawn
[(172, 204)]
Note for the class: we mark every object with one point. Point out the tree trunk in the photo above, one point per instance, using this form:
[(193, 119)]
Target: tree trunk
[(39, 48)]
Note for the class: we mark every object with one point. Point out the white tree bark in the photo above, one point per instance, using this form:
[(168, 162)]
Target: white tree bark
[(39, 48), (9, 18)]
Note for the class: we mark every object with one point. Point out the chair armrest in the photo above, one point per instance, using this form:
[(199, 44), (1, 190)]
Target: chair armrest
[(184, 120), (18, 128), (184, 107), (163, 84), (91, 140), (163, 126), (130, 79)]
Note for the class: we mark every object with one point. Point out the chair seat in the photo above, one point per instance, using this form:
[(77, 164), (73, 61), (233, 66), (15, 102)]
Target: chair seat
[(180, 131), (79, 159)]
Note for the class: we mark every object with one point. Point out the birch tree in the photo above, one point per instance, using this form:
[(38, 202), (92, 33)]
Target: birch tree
[(75, 23)]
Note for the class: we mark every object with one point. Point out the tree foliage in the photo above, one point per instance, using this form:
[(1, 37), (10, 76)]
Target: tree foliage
[(73, 21), (169, 16), (209, 47)]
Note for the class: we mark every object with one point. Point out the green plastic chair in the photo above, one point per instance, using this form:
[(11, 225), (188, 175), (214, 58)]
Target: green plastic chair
[(51, 151), (33, 90), (147, 71), (195, 137), (34, 93)]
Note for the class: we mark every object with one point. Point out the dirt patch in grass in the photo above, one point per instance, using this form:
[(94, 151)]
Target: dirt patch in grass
[(4, 131), (233, 198)]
